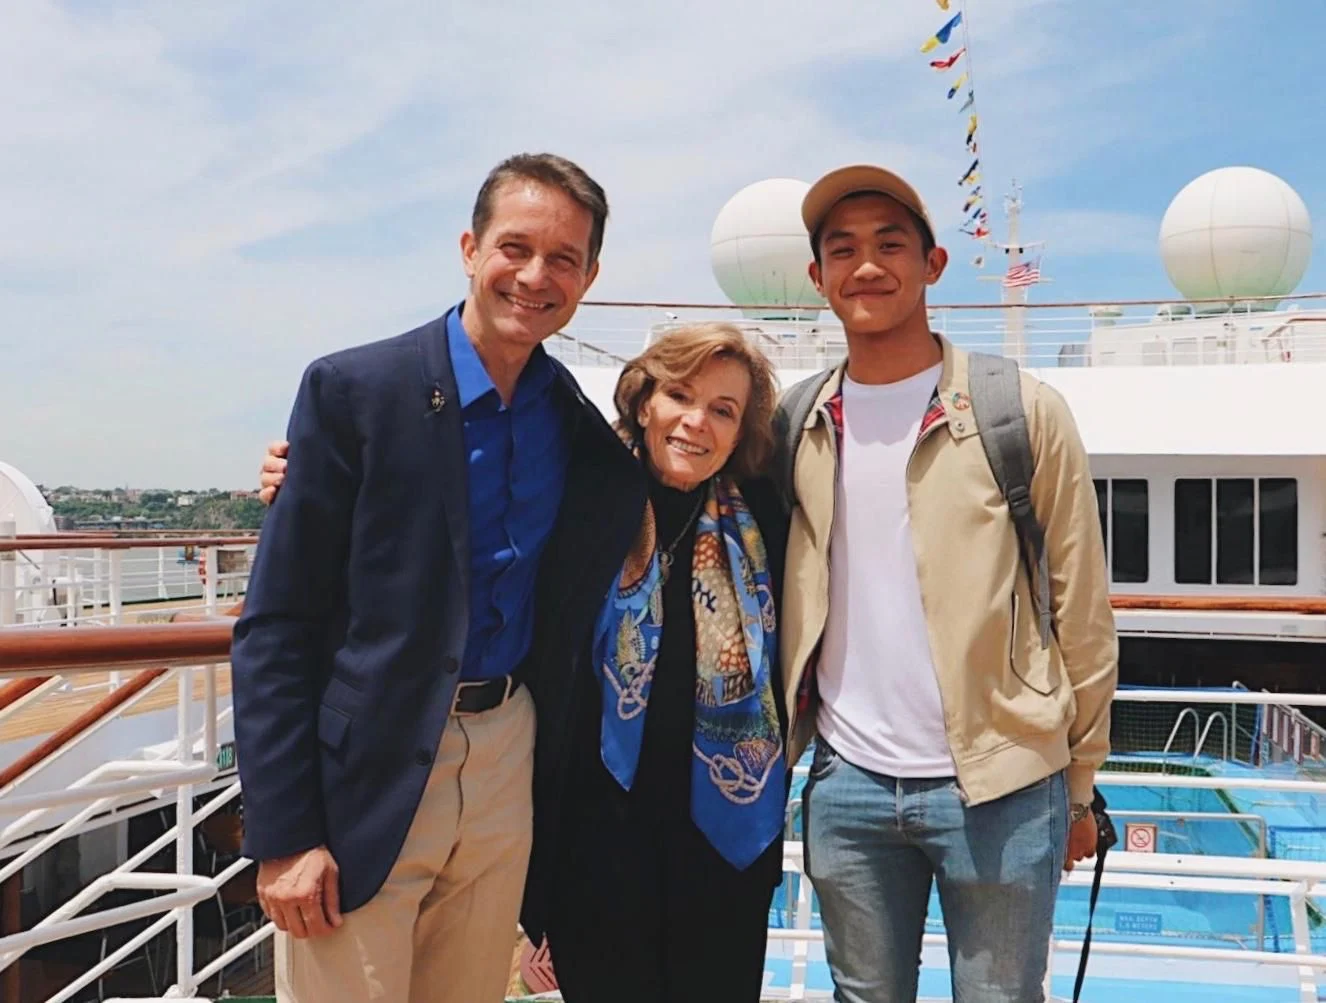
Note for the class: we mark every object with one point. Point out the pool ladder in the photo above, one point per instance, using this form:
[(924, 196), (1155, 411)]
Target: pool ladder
[(1201, 732)]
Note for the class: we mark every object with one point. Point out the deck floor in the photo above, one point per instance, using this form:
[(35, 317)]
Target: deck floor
[(55, 709)]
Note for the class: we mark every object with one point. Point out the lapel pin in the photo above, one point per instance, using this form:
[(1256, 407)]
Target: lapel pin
[(437, 402)]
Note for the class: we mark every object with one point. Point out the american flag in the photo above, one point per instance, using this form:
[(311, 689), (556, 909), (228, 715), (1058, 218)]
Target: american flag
[(1028, 273)]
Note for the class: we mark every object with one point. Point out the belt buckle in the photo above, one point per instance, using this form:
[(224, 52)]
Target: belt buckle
[(460, 687)]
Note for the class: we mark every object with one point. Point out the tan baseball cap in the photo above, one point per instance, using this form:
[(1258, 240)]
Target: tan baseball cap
[(825, 193)]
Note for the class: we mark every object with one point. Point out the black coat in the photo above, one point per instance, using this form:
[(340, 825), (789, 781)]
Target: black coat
[(600, 517)]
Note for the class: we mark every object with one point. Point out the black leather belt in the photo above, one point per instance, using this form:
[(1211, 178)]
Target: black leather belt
[(479, 696)]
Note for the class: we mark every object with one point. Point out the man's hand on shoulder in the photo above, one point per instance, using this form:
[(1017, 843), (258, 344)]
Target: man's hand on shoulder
[(301, 893), (272, 473)]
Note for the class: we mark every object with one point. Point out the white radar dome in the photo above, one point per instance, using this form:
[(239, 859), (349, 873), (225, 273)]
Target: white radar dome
[(1236, 232), (22, 504), (760, 252)]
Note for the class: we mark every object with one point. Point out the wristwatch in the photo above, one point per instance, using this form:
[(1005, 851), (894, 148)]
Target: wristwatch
[(1079, 812)]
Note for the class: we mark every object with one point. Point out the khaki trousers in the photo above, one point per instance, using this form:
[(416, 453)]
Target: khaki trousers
[(442, 928)]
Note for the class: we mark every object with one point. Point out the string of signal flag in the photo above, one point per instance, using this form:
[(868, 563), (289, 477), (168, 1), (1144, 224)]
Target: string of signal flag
[(976, 214)]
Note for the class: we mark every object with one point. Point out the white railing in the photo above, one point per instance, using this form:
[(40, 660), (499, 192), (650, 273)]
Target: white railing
[(1038, 337), (1294, 881), (90, 585), (191, 760)]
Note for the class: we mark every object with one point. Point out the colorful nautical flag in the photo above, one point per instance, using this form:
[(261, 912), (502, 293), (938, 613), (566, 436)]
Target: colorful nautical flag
[(947, 64), (970, 171), (971, 100), (1027, 273), (957, 86), (941, 36), (943, 4)]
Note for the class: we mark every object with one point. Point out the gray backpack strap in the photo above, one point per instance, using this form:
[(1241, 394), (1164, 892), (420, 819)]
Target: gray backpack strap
[(996, 400), (789, 423)]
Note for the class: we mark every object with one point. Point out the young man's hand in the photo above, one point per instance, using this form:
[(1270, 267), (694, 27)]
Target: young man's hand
[(1081, 841)]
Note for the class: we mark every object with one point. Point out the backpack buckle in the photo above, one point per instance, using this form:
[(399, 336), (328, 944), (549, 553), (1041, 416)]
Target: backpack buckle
[(1019, 500)]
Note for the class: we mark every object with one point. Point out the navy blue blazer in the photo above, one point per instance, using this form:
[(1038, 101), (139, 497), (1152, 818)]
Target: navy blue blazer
[(346, 656)]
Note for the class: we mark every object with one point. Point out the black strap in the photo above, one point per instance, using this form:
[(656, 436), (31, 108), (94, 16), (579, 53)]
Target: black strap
[(789, 422), (1091, 915), (995, 383)]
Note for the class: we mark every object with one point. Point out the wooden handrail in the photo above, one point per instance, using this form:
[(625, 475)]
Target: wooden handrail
[(192, 642), (16, 689), (136, 533), (51, 652), (73, 542), (1309, 605)]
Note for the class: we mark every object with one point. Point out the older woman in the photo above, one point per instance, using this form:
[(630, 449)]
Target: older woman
[(670, 847), (660, 782)]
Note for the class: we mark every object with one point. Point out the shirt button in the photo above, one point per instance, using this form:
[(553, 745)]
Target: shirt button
[(959, 426), (423, 757)]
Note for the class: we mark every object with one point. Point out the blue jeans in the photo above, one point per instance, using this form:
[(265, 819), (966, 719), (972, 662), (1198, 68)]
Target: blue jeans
[(873, 846)]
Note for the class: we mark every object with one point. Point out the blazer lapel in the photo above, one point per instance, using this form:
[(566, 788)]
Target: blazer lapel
[(440, 411)]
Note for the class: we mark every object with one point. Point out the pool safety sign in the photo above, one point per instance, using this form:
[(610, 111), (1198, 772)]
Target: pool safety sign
[(1140, 837), (1137, 922)]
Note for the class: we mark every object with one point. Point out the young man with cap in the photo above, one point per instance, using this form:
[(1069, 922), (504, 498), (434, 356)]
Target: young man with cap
[(950, 744)]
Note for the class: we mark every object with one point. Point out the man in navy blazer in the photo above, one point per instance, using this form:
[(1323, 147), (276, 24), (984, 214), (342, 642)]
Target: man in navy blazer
[(384, 731)]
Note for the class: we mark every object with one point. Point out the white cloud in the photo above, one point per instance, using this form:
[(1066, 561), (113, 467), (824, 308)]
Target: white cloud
[(174, 173)]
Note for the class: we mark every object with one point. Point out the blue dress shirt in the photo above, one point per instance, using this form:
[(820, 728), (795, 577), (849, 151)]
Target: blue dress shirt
[(517, 458)]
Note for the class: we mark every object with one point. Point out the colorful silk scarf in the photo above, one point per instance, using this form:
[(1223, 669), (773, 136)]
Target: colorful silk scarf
[(737, 783)]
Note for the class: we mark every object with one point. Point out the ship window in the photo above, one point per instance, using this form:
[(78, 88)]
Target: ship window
[(1192, 532), (1235, 541), (1123, 508), (1245, 530), (1277, 558), (1102, 502), (1129, 516)]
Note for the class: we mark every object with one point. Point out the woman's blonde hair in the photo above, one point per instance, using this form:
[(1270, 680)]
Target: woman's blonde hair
[(678, 356)]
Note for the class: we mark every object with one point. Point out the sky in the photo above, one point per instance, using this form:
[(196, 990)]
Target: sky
[(199, 199)]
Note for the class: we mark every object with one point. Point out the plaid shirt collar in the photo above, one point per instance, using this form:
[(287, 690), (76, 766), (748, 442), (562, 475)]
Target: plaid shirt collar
[(834, 405)]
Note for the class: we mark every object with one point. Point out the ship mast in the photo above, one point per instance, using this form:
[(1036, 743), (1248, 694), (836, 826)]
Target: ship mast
[(1014, 297)]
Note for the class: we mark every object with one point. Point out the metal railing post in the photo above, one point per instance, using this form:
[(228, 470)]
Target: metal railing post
[(1298, 915), (8, 576), (210, 586), (115, 559), (184, 837)]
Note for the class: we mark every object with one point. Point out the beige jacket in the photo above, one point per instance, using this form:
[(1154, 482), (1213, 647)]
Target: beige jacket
[(1015, 712)]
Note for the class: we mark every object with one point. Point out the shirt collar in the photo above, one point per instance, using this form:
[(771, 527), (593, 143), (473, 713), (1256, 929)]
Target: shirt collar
[(472, 380)]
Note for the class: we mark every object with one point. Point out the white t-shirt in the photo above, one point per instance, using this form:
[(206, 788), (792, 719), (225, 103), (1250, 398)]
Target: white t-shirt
[(880, 706)]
